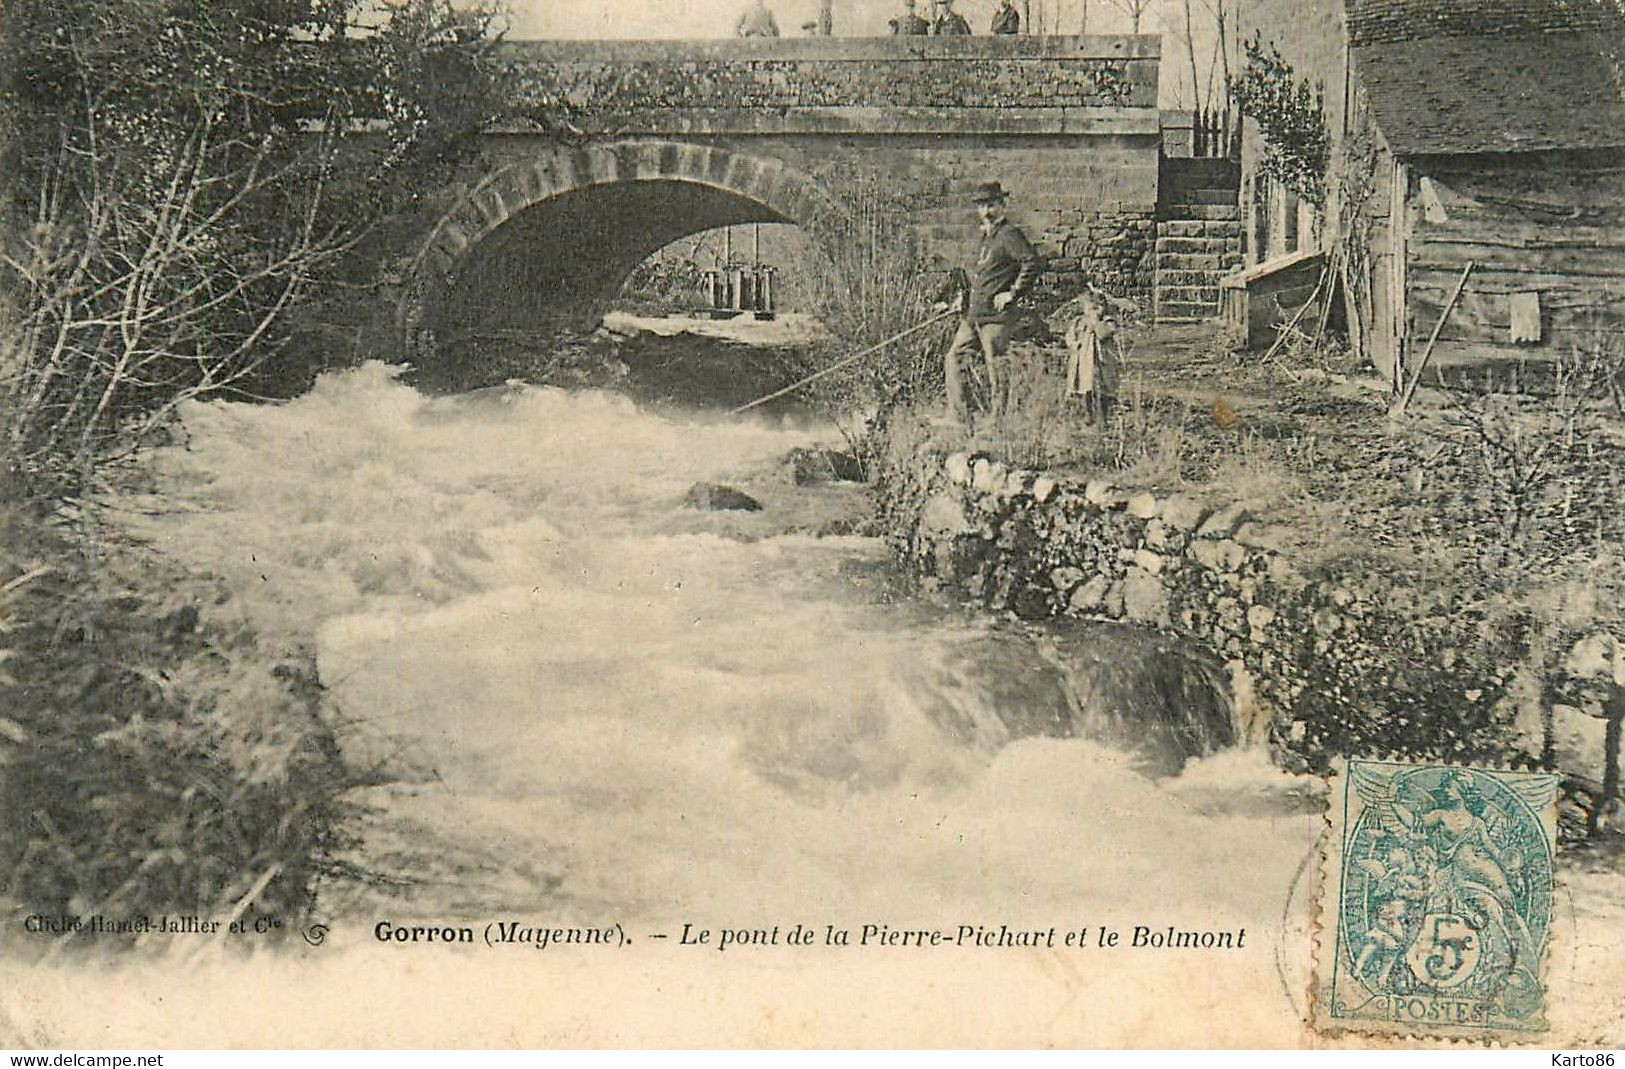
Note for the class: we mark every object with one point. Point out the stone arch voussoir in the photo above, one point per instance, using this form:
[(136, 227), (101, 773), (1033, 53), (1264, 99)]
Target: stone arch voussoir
[(504, 193)]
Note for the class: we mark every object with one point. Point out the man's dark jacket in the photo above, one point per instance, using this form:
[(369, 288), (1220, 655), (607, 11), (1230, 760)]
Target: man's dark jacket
[(1005, 261)]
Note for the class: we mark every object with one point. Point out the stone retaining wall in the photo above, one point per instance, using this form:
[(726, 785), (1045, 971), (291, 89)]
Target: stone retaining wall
[(1114, 249), (1345, 656)]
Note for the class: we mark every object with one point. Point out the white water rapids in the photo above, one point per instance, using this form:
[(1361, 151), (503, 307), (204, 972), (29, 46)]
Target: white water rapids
[(612, 708)]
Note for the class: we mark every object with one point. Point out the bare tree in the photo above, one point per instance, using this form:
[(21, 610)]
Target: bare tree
[(128, 307), (1190, 51), (1221, 22), (1206, 35), (175, 205), (1135, 10)]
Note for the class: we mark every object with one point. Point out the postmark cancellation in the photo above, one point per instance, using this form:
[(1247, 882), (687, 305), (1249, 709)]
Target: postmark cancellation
[(1436, 902)]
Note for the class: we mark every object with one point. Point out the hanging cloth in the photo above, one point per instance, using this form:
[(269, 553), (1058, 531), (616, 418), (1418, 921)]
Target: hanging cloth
[(1526, 317)]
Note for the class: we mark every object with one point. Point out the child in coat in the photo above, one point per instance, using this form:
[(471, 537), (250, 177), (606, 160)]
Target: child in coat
[(1092, 365)]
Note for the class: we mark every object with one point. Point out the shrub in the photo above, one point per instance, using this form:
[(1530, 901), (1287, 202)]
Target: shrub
[(1291, 113), (873, 287)]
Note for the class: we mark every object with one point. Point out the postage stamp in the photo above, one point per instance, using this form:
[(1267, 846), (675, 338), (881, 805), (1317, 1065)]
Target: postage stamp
[(1436, 901)]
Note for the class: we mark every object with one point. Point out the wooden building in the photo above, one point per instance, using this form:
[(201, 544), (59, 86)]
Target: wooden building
[(1482, 132)]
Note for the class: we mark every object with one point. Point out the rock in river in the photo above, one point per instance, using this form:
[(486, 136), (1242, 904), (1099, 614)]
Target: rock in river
[(719, 498)]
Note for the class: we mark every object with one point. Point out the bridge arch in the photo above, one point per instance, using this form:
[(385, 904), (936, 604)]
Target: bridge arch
[(565, 226)]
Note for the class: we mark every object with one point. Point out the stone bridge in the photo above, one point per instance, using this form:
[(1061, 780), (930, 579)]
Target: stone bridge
[(666, 139)]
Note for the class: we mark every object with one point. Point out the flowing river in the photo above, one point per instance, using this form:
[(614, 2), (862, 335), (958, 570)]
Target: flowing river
[(600, 695), (590, 703)]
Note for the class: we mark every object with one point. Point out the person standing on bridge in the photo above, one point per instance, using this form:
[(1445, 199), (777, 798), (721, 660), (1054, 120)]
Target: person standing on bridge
[(757, 21), (1006, 267), (1006, 21), (950, 23), (909, 23)]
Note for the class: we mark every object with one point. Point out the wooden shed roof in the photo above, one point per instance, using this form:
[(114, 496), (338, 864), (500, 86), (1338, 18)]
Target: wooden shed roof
[(1379, 21), (1490, 93)]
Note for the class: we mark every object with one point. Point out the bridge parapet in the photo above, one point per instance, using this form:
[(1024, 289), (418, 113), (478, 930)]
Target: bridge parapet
[(801, 75)]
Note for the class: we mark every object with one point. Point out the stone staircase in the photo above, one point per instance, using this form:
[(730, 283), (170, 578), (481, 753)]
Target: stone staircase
[(1198, 237)]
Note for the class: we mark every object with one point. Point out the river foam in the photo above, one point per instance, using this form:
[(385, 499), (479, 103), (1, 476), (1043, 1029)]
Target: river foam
[(654, 713)]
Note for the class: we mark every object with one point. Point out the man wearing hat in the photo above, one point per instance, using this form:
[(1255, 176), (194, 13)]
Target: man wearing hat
[(1006, 20), (909, 23), (1006, 267), (950, 23)]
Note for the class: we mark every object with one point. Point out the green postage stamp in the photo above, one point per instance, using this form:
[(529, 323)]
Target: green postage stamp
[(1436, 901)]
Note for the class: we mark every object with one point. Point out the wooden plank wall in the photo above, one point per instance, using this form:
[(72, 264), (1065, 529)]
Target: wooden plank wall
[(1553, 224), (1386, 254)]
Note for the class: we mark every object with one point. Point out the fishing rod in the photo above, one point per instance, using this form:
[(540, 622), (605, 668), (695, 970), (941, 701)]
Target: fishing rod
[(815, 376)]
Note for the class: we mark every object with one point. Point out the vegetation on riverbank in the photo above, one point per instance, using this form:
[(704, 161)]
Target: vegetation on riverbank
[(1456, 574), (158, 754), (181, 191)]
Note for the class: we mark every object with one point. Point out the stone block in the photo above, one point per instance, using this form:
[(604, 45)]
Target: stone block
[(1145, 599), (1065, 579), (1182, 513), (943, 517), (1222, 524), (1178, 312), (1261, 536), (1185, 261), (1219, 556), (1201, 296), (1216, 212), (1171, 281), (1180, 228), (1192, 197), (1090, 596), (1198, 244), (1578, 739), (1113, 603), (987, 476)]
